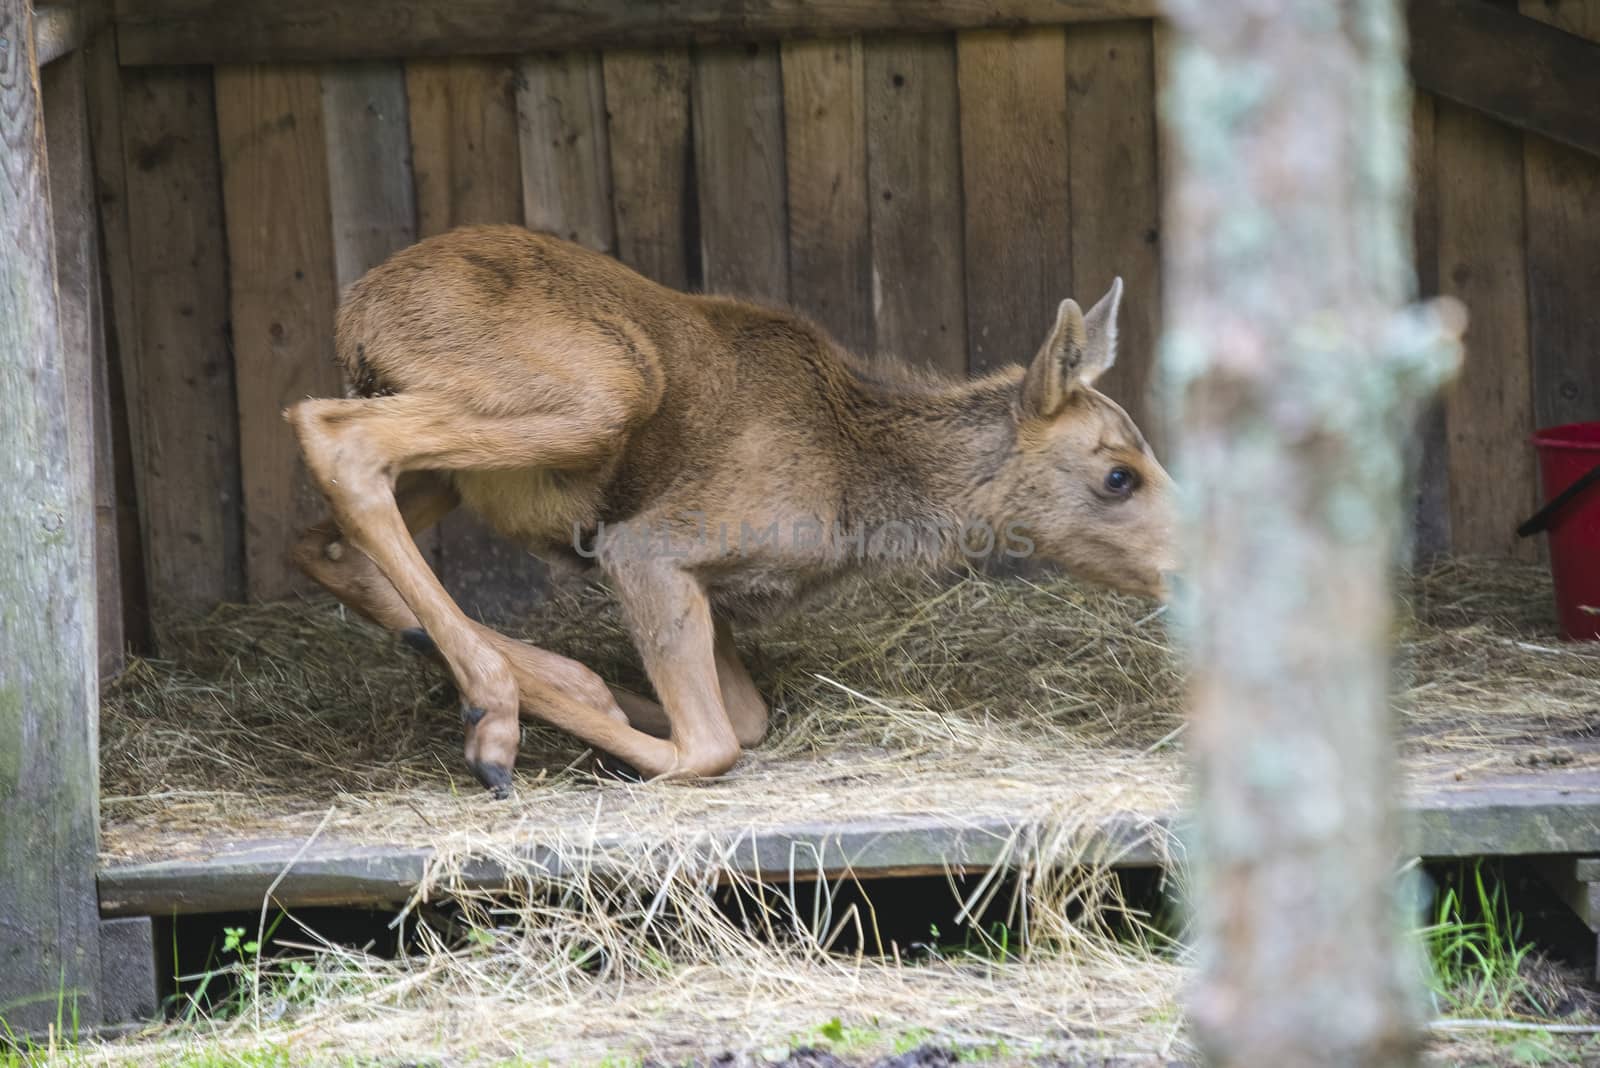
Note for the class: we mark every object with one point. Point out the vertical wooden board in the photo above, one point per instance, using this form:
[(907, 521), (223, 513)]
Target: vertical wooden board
[(1014, 174), (467, 170), (372, 199), (825, 152), (464, 151), (104, 81), (739, 159), (72, 202), (280, 248), (178, 370), (1161, 49), (109, 581), (919, 299), (1115, 202), (566, 162), (370, 192), (1563, 202), (49, 917), (118, 335), (1431, 439), (1161, 70), (647, 119), (1489, 411), (128, 532)]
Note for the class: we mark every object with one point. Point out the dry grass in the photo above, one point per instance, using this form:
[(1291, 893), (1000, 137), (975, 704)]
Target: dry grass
[(991, 696), (978, 696), (1036, 699)]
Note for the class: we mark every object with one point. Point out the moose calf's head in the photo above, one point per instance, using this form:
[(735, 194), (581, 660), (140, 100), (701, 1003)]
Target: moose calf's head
[(1082, 481)]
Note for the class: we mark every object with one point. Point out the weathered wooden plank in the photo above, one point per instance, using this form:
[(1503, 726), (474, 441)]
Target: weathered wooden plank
[(1489, 411), (172, 274), (82, 335), (739, 171), (1523, 815), (1161, 55), (110, 582), (825, 149), (119, 334), (1115, 212), (919, 296), (647, 113), (58, 31), (1563, 203), (463, 115), (335, 873), (280, 249), (1565, 875), (129, 989), (1015, 189), (218, 31), (566, 159), (370, 191), (1488, 57), (1431, 510), (49, 923), (467, 169)]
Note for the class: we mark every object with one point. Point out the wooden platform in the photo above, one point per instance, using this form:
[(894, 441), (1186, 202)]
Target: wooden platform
[(1553, 812)]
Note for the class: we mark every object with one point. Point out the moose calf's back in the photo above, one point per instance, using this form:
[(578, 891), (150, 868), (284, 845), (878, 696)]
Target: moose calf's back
[(499, 320), (741, 414)]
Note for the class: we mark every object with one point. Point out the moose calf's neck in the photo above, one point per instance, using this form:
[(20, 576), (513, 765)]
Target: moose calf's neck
[(926, 452)]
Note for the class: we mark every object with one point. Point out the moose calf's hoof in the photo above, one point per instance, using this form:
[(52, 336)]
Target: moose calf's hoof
[(607, 766), (495, 778), (419, 640)]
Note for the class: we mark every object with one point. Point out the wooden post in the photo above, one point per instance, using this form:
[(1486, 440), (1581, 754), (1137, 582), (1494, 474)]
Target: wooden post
[(49, 920), (1295, 374)]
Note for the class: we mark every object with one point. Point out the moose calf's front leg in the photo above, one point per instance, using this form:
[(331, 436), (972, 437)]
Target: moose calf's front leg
[(670, 617)]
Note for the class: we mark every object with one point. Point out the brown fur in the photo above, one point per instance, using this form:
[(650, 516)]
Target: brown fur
[(573, 404)]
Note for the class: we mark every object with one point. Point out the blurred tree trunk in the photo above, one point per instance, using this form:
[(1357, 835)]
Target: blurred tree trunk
[(1295, 373)]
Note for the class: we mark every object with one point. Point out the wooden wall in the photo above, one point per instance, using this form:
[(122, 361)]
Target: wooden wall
[(931, 195)]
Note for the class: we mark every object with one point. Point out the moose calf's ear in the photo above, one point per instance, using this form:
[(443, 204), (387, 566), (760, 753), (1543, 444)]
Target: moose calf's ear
[(1102, 325), (1078, 351)]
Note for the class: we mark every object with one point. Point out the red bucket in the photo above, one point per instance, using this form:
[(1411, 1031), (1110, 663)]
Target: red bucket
[(1569, 468)]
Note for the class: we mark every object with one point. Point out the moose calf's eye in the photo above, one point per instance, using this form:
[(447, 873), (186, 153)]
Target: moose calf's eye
[(1120, 481)]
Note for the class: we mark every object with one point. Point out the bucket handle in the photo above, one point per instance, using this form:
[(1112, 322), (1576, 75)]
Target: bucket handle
[(1542, 519)]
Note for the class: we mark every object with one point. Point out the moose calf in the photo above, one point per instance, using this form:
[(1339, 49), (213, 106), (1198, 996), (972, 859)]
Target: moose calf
[(716, 460)]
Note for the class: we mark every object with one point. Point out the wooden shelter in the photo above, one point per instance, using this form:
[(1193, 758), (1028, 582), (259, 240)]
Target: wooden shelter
[(187, 184)]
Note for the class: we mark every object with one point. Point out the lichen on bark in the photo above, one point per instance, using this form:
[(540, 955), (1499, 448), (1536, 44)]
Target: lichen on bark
[(1294, 366)]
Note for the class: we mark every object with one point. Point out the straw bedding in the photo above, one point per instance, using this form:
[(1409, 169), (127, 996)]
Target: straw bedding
[(959, 696), (972, 696)]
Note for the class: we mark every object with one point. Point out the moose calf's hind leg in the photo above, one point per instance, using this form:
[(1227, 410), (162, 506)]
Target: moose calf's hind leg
[(353, 448)]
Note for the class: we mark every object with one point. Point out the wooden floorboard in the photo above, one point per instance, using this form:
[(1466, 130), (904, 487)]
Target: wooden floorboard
[(1538, 813)]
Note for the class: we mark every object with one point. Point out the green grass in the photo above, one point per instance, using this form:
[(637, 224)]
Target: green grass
[(1476, 950), (996, 942), (27, 1054), (875, 1040)]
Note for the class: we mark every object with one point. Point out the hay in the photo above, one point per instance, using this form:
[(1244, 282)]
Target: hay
[(987, 694), (916, 696), (1031, 698)]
